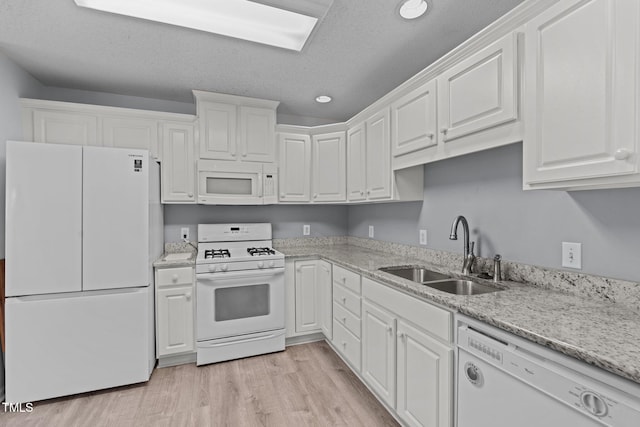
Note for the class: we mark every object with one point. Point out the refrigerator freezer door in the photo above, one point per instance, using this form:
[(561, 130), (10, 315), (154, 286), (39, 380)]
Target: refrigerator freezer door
[(115, 218), (43, 218), (59, 345)]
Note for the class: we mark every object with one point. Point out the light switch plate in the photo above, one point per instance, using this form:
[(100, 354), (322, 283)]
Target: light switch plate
[(306, 230), (572, 255), (371, 231), (423, 237)]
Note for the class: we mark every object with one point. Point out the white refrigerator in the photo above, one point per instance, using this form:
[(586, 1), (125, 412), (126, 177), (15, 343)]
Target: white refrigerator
[(83, 227)]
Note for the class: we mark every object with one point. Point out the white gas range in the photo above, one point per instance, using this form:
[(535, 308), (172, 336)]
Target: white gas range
[(240, 292)]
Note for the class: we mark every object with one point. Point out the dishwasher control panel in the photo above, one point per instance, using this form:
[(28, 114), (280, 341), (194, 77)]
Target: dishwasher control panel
[(569, 386)]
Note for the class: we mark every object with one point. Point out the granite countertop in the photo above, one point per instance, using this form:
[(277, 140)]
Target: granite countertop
[(600, 333), (175, 250)]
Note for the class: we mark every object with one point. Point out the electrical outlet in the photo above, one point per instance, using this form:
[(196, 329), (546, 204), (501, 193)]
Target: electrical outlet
[(306, 230), (371, 231), (184, 233), (572, 255), (423, 237)]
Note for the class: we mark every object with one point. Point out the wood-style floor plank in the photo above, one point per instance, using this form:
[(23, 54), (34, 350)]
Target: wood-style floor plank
[(306, 385)]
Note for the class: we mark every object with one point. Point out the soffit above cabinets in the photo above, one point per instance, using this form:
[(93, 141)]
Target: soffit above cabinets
[(359, 51)]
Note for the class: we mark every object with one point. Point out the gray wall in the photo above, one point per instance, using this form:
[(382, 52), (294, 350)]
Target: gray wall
[(526, 227), (14, 83), (287, 221)]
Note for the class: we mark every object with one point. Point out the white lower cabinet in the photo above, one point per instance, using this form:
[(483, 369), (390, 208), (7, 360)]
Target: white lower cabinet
[(309, 298), (407, 355), (346, 316), (174, 311)]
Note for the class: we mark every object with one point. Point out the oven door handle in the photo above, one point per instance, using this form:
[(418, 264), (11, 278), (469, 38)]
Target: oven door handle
[(250, 274)]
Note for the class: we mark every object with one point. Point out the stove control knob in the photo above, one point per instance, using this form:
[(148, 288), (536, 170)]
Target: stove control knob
[(272, 264), (224, 267), (212, 268), (260, 264)]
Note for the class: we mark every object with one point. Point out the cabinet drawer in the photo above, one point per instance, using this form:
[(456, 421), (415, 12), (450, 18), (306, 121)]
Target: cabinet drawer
[(347, 344), (347, 319), (174, 276), (435, 320), (347, 299), (346, 278)]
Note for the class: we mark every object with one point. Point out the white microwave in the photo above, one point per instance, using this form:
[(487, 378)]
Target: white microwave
[(233, 183)]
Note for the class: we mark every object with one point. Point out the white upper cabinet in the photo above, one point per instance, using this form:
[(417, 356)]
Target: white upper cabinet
[(178, 164), (479, 92), (413, 120), (63, 127), (257, 134), (329, 167), (295, 167), (236, 128), (378, 156), (581, 90), (218, 123), (356, 163), (131, 132)]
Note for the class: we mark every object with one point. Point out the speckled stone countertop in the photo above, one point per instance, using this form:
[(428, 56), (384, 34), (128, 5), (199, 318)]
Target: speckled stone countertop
[(176, 248), (601, 333)]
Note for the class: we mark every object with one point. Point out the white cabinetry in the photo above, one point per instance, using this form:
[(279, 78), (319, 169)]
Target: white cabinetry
[(582, 90), (295, 167), (174, 311), (236, 128), (62, 127), (309, 296), (414, 120), (347, 312), (329, 167), (369, 175), (131, 132), (407, 355), (178, 163)]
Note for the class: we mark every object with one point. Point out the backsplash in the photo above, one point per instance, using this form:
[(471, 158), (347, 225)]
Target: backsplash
[(606, 289)]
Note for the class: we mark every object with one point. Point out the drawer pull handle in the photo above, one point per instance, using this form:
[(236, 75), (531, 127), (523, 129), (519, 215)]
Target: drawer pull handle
[(622, 154), (344, 279), (174, 278), (344, 300), (344, 320)]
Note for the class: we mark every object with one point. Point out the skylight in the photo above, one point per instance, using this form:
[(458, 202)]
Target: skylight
[(240, 19)]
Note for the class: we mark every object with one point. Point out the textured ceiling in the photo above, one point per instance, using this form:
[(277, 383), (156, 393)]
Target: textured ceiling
[(360, 51)]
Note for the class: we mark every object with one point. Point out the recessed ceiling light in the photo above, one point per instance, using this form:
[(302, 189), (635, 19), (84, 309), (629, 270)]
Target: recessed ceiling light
[(323, 99), (412, 9), (246, 20)]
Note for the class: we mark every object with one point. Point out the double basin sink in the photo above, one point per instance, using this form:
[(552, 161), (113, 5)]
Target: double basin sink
[(440, 281)]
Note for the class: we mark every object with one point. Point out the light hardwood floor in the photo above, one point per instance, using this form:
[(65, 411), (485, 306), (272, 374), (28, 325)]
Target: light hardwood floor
[(306, 385)]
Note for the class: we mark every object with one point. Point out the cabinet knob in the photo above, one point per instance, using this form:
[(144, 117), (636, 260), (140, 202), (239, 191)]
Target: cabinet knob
[(315, 196), (362, 193), (368, 192), (244, 154), (444, 131), (174, 278), (622, 154), (298, 269), (282, 195), (430, 136), (190, 194), (389, 329), (344, 279), (344, 300), (344, 344), (400, 335), (188, 296), (344, 320)]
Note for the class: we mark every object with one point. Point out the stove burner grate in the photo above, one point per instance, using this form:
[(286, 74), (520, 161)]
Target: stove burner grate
[(260, 251), (217, 253)]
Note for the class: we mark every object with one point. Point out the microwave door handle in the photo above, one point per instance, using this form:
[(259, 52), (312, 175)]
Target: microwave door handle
[(260, 185)]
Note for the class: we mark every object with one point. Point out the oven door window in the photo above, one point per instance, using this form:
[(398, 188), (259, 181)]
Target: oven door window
[(241, 302), (230, 186)]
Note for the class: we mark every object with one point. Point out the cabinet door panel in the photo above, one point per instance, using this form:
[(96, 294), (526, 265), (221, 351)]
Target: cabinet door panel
[(379, 352), (424, 377), (218, 124), (378, 157), (329, 167), (257, 134), (295, 167), (307, 295), (131, 132), (480, 92), (581, 81), (178, 163), (356, 163), (325, 301), (175, 320), (61, 127), (413, 120)]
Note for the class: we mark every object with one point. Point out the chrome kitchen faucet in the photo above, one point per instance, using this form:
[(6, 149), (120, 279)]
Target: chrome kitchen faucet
[(469, 257)]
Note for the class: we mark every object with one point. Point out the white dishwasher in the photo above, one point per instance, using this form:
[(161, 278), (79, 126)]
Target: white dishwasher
[(507, 381)]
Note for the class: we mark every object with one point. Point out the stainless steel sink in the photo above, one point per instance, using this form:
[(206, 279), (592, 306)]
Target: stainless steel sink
[(440, 281), (461, 287), (417, 274)]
